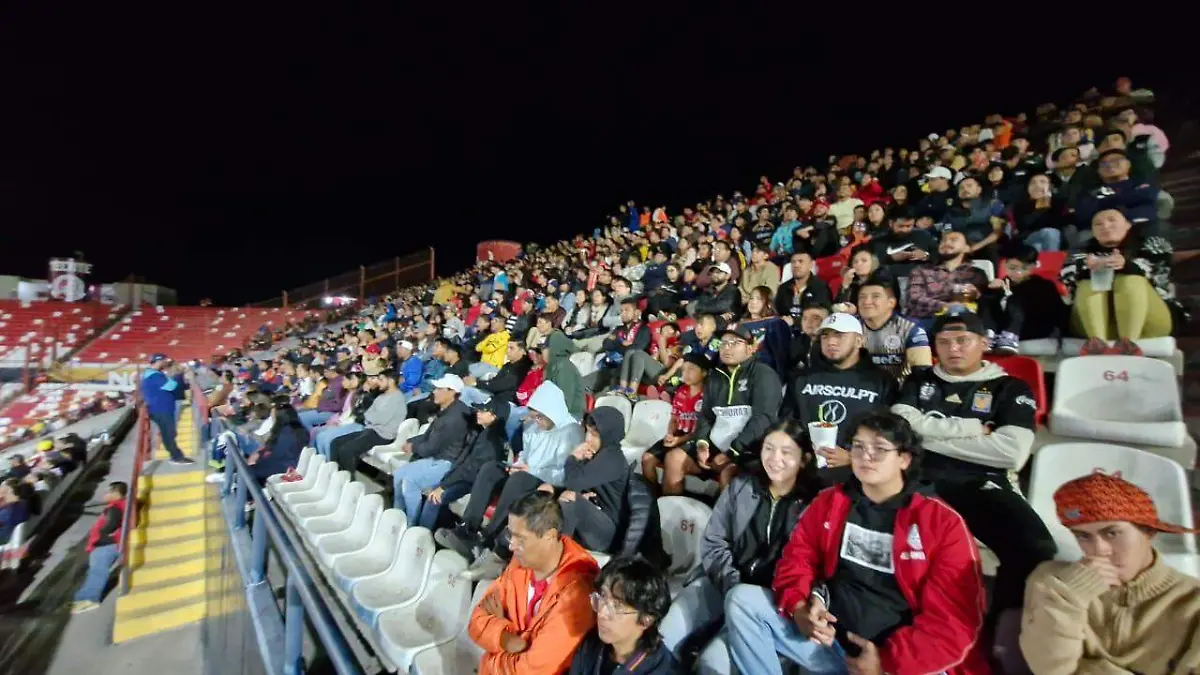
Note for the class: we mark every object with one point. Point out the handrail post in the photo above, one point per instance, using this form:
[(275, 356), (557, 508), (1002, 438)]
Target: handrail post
[(243, 496), (293, 630), (432, 267), (258, 558)]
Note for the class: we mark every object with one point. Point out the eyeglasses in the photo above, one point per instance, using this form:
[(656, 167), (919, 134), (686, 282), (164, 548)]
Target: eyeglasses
[(862, 450), (601, 605)]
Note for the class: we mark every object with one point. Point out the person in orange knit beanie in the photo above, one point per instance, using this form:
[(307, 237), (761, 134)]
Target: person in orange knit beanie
[(1121, 608)]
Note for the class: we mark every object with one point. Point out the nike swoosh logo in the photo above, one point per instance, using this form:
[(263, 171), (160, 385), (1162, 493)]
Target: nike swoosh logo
[(894, 251)]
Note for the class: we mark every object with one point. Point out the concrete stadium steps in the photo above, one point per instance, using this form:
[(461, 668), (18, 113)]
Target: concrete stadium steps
[(173, 564)]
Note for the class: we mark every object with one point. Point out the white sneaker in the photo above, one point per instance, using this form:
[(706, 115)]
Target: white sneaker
[(215, 478)]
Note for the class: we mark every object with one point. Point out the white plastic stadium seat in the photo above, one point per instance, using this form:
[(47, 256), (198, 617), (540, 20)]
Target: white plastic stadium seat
[(329, 547), (377, 557), (584, 362), (1039, 347), (408, 429), (1122, 399), (309, 476), (621, 403), (648, 426), (324, 506), (986, 267), (340, 518), (683, 520), (435, 619), (314, 492), (460, 656), (1164, 480), (403, 580)]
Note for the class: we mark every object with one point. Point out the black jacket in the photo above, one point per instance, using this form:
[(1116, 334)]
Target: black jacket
[(483, 447), (606, 473), (726, 301), (752, 391), (814, 292), (504, 384), (590, 656), (640, 525), (446, 436), (826, 394)]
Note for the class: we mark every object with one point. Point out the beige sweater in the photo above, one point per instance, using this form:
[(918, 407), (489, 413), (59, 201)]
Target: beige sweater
[(1074, 624)]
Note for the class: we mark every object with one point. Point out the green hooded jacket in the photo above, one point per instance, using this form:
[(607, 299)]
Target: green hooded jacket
[(563, 373)]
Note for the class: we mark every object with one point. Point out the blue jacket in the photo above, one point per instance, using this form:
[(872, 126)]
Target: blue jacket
[(158, 391), (434, 369), (410, 372)]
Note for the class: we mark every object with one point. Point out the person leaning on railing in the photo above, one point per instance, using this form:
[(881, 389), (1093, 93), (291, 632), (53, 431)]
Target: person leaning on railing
[(103, 548)]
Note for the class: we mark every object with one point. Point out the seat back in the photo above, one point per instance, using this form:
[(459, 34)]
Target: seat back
[(1028, 370), (408, 429), (351, 495), (445, 606), (986, 267), (1117, 389), (584, 362), (1163, 479), (683, 522), (306, 456), (319, 485), (364, 520), (414, 557), (648, 424), (827, 268), (388, 531), (620, 403)]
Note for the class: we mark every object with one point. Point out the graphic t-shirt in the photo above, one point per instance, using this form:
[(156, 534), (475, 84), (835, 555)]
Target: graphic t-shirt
[(685, 409), (889, 344)]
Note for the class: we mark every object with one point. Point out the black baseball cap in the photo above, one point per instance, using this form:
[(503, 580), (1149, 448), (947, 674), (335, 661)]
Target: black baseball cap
[(698, 359), (740, 331), (496, 406), (959, 320)]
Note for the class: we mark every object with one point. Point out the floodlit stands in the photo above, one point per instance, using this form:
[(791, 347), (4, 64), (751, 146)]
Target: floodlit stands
[(36, 331), (48, 408)]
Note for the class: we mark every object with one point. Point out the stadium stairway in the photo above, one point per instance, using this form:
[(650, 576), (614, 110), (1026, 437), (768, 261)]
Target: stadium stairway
[(170, 558)]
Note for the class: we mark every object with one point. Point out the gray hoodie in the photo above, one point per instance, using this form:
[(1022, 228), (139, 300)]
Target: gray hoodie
[(546, 452)]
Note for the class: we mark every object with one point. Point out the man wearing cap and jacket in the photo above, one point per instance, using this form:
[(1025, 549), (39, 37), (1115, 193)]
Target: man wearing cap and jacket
[(721, 299), (411, 368), (841, 383), (432, 453), (159, 393), (741, 401), (935, 204), (977, 422), (1121, 608)]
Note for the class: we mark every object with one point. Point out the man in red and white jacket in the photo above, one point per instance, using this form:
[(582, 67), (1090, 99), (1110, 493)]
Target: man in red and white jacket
[(103, 547), (879, 576)]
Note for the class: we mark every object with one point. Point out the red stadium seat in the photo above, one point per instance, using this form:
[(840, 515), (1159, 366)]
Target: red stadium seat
[(830, 268), (835, 285), (1029, 371), (1050, 265)]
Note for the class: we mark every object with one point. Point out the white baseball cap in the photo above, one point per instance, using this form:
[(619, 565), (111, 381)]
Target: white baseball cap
[(939, 172), (449, 381), (722, 267), (406, 345), (842, 323)]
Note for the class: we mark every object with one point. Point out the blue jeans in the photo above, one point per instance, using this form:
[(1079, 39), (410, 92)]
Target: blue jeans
[(472, 396), (100, 562), (479, 370), (326, 436), (166, 428), (697, 608), (757, 632), (1045, 239), (413, 480), (314, 418), (516, 415)]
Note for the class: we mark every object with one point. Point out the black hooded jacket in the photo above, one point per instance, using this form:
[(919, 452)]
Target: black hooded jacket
[(504, 383), (483, 447), (606, 473)]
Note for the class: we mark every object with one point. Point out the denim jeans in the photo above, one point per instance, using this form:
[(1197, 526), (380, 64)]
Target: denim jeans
[(326, 436), (698, 608), (480, 370), (314, 418), (100, 562), (166, 428), (473, 396), (757, 633), (413, 480), (516, 415), (1045, 239)]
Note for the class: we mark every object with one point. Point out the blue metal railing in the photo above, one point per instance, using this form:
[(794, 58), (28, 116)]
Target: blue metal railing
[(301, 599)]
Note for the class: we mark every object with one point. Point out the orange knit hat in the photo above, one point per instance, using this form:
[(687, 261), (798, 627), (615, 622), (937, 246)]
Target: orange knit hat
[(1099, 497)]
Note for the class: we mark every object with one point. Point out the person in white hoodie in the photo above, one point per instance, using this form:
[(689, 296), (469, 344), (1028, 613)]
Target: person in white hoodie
[(548, 437)]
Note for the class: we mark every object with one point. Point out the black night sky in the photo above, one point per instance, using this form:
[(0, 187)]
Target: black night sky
[(230, 151)]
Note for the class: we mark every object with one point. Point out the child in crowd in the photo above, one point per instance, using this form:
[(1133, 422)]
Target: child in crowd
[(685, 409)]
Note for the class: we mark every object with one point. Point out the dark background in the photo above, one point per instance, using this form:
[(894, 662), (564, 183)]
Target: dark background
[(231, 151)]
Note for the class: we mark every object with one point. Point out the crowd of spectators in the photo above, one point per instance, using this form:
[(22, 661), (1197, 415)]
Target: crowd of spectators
[(860, 437)]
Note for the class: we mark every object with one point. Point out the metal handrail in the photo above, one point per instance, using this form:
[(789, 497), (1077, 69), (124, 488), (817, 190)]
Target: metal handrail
[(267, 528), (129, 518)]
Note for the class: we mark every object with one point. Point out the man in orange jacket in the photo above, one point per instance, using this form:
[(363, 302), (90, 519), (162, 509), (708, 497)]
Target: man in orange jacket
[(537, 613)]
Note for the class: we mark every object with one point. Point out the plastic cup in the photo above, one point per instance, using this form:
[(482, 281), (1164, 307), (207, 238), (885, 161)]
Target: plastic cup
[(822, 435), (1102, 279)]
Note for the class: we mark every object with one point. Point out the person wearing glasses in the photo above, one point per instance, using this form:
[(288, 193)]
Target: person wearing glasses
[(630, 600), (879, 575), (741, 401)]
